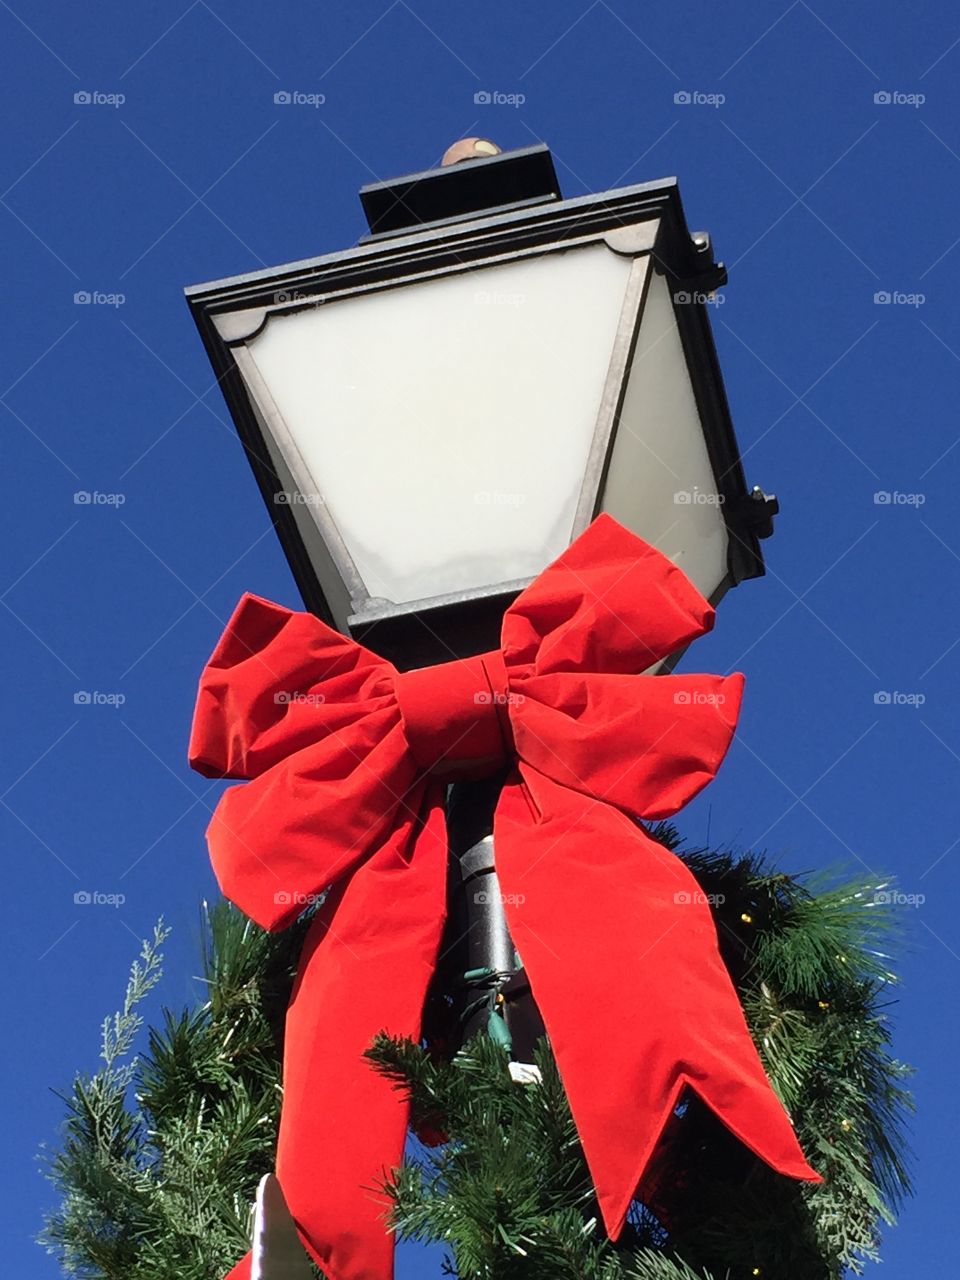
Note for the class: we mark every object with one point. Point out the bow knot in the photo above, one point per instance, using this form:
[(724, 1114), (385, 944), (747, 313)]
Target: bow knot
[(455, 716)]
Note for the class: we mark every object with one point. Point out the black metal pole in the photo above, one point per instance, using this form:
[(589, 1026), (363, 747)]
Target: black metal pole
[(482, 972)]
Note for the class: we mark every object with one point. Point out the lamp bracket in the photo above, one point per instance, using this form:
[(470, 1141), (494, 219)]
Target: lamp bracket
[(758, 510)]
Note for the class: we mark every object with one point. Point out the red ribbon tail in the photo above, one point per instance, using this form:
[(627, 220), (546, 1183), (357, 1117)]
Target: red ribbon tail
[(366, 964), (621, 949)]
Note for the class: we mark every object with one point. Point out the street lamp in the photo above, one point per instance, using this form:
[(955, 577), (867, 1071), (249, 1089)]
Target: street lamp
[(435, 414)]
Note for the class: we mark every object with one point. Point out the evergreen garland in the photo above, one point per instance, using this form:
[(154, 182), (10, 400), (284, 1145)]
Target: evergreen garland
[(161, 1153)]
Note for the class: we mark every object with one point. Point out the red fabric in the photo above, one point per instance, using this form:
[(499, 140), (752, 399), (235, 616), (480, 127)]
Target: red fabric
[(347, 759), (242, 1270)]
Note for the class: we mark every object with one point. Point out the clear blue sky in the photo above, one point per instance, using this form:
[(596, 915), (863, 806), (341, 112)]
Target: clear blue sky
[(817, 197)]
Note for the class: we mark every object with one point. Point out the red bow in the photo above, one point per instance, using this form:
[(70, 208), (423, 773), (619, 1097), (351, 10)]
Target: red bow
[(348, 757)]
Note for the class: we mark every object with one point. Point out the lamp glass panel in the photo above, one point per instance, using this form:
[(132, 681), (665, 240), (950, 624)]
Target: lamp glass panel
[(660, 482), (446, 424)]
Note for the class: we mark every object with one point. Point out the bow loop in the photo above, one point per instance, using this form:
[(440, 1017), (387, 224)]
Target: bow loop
[(595, 609), (276, 682), (646, 744), (312, 717)]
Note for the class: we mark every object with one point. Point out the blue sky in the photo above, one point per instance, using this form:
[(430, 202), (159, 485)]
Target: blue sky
[(818, 196)]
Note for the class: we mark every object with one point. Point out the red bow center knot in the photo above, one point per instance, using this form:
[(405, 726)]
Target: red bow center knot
[(346, 759), (455, 716)]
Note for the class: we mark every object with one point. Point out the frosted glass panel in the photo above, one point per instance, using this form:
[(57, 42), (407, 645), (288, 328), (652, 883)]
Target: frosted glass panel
[(448, 423), (661, 483)]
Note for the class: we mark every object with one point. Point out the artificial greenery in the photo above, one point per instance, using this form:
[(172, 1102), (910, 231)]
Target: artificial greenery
[(161, 1152)]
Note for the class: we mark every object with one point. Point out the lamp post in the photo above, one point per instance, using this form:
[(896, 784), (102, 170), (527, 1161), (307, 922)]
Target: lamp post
[(435, 414)]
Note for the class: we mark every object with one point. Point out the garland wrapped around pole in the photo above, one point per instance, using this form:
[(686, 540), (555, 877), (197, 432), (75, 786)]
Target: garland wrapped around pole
[(162, 1152)]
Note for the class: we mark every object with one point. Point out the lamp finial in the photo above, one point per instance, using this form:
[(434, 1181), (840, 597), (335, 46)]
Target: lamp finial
[(470, 149)]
